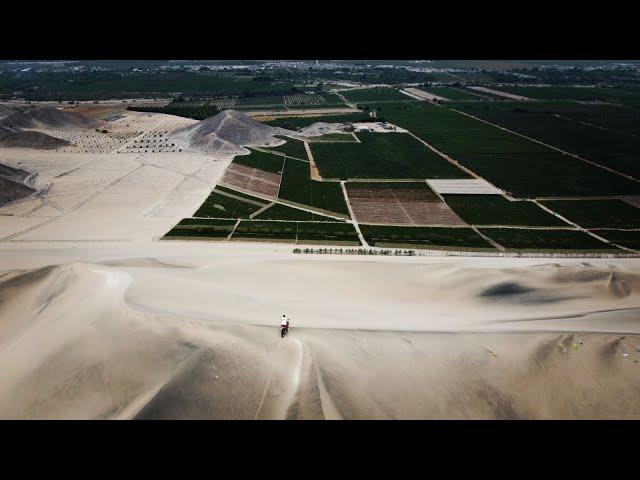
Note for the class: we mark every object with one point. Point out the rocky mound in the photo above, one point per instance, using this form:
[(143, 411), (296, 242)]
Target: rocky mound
[(228, 132), (29, 139), (47, 117)]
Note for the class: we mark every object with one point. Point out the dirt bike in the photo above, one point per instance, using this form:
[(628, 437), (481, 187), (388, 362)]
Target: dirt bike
[(283, 331)]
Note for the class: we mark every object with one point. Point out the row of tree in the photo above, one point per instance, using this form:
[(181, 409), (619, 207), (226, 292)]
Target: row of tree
[(355, 251)]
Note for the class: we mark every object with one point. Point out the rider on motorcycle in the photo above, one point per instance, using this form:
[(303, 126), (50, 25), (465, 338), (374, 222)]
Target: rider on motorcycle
[(284, 323)]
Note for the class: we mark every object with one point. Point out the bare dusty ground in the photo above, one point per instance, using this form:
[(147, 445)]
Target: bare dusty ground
[(99, 191)]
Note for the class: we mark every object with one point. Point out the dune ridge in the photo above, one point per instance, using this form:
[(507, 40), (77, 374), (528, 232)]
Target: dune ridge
[(86, 340)]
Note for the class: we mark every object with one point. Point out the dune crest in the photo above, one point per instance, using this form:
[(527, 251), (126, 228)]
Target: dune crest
[(119, 340)]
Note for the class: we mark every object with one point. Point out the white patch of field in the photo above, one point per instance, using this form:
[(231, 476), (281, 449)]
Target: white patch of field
[(472, 186), (378, 127), (422, 95), (511, 96)]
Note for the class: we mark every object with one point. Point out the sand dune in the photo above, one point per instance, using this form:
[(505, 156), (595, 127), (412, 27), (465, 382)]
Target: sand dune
[(198, 338)]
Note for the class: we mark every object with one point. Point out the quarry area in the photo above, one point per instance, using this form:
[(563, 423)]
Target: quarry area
[(436, 260)]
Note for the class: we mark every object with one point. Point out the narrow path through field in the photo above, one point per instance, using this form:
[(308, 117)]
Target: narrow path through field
[(557, 115), (449, 159), (488, 239), (314, 172), (344, 99), (354, 221)]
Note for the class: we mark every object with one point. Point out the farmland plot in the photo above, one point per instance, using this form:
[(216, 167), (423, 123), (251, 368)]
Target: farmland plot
[(497, 210), (522, 239), (400, 204), (333, 233), (258, 172), (298, 187), (382, 155), (423, 237), (597, 213)]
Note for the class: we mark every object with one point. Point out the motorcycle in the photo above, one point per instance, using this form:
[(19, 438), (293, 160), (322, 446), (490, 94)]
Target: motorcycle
[(283, 331)]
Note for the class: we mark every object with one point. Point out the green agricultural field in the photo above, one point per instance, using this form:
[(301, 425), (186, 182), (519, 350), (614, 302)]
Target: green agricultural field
[(285, 212), (298, 123), (377, 94), (336, 233), (474, 77), (293, 148), (340, 233), (454, 133), (522, 239), (297, 186), (546, 175), (534, 171), (331, 98), (617, 118), (478, 141), (629, 239), (611, 148), (597, 213), (452, 93), (219, 205), (109, 85), (497, 210), (603, 94), (443, 77), (264, 161), (382, 155), (482, 95), (206, 228), (426, 237), (267, 230)]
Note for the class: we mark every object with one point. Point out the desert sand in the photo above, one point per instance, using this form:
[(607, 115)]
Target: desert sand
[(175, 331), (100, 319)]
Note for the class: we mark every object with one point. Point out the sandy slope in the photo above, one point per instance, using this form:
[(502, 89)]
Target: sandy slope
[(195, 336)]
